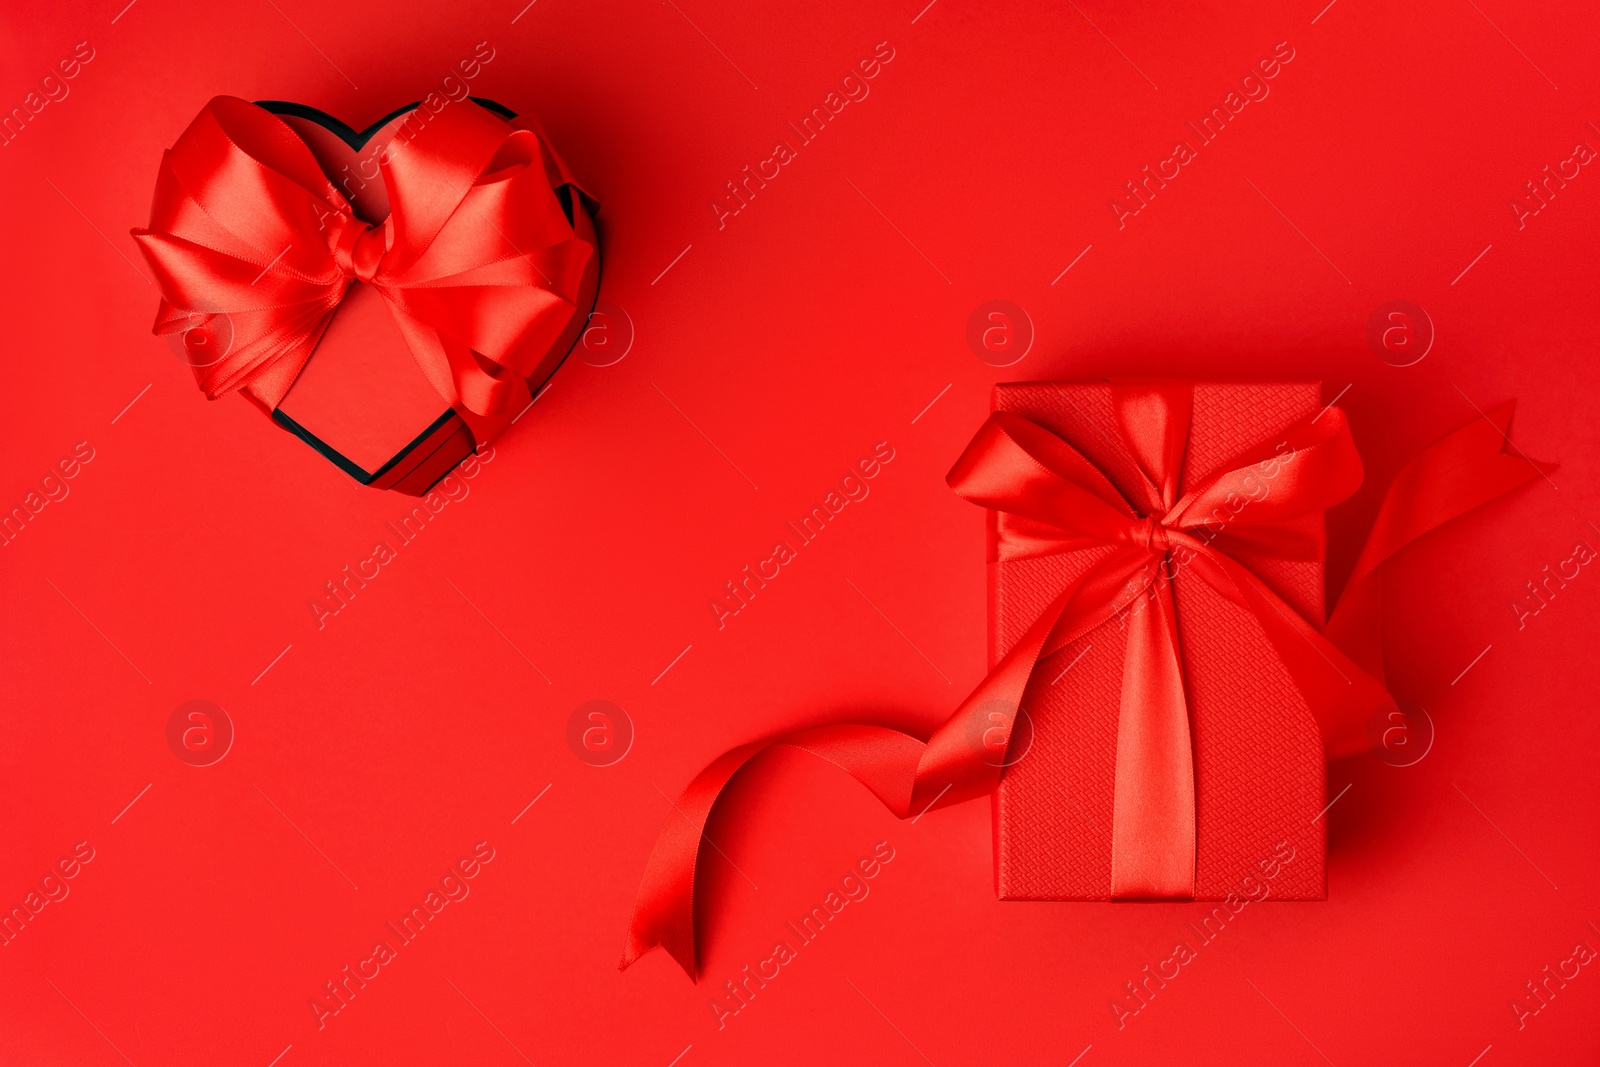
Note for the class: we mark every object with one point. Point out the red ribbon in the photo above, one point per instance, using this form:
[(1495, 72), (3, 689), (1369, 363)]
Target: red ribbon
[(1049, 499), (477, 260)]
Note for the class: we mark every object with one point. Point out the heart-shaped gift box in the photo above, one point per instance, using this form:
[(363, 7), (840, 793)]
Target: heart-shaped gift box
[(396, 296)]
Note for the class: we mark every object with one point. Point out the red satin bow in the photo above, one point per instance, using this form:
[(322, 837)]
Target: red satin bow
[(476, 259), (1050, 499)]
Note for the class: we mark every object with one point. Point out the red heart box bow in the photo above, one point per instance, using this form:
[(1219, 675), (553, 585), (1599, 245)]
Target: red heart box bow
[(394, 297)]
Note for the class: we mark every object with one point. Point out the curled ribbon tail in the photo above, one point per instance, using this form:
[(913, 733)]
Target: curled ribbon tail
[(963, 760), (881, 759)]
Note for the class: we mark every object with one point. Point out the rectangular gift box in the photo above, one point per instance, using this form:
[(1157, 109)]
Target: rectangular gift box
[(362, 401), (1258, 760)]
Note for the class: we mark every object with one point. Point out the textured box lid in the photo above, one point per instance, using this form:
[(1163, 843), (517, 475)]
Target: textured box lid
[(1259, 767)]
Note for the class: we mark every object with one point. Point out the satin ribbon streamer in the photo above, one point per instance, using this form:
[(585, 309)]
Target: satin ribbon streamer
[(476, 260), (1049, 499)]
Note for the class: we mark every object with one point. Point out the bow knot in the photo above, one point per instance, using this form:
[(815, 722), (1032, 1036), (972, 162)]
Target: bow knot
[(357, 247), (1149, 534)]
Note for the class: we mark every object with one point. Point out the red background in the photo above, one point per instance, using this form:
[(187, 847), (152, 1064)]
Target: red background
[(823, 318)]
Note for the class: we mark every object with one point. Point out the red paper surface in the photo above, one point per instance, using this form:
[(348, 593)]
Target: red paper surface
[(370, 756)]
